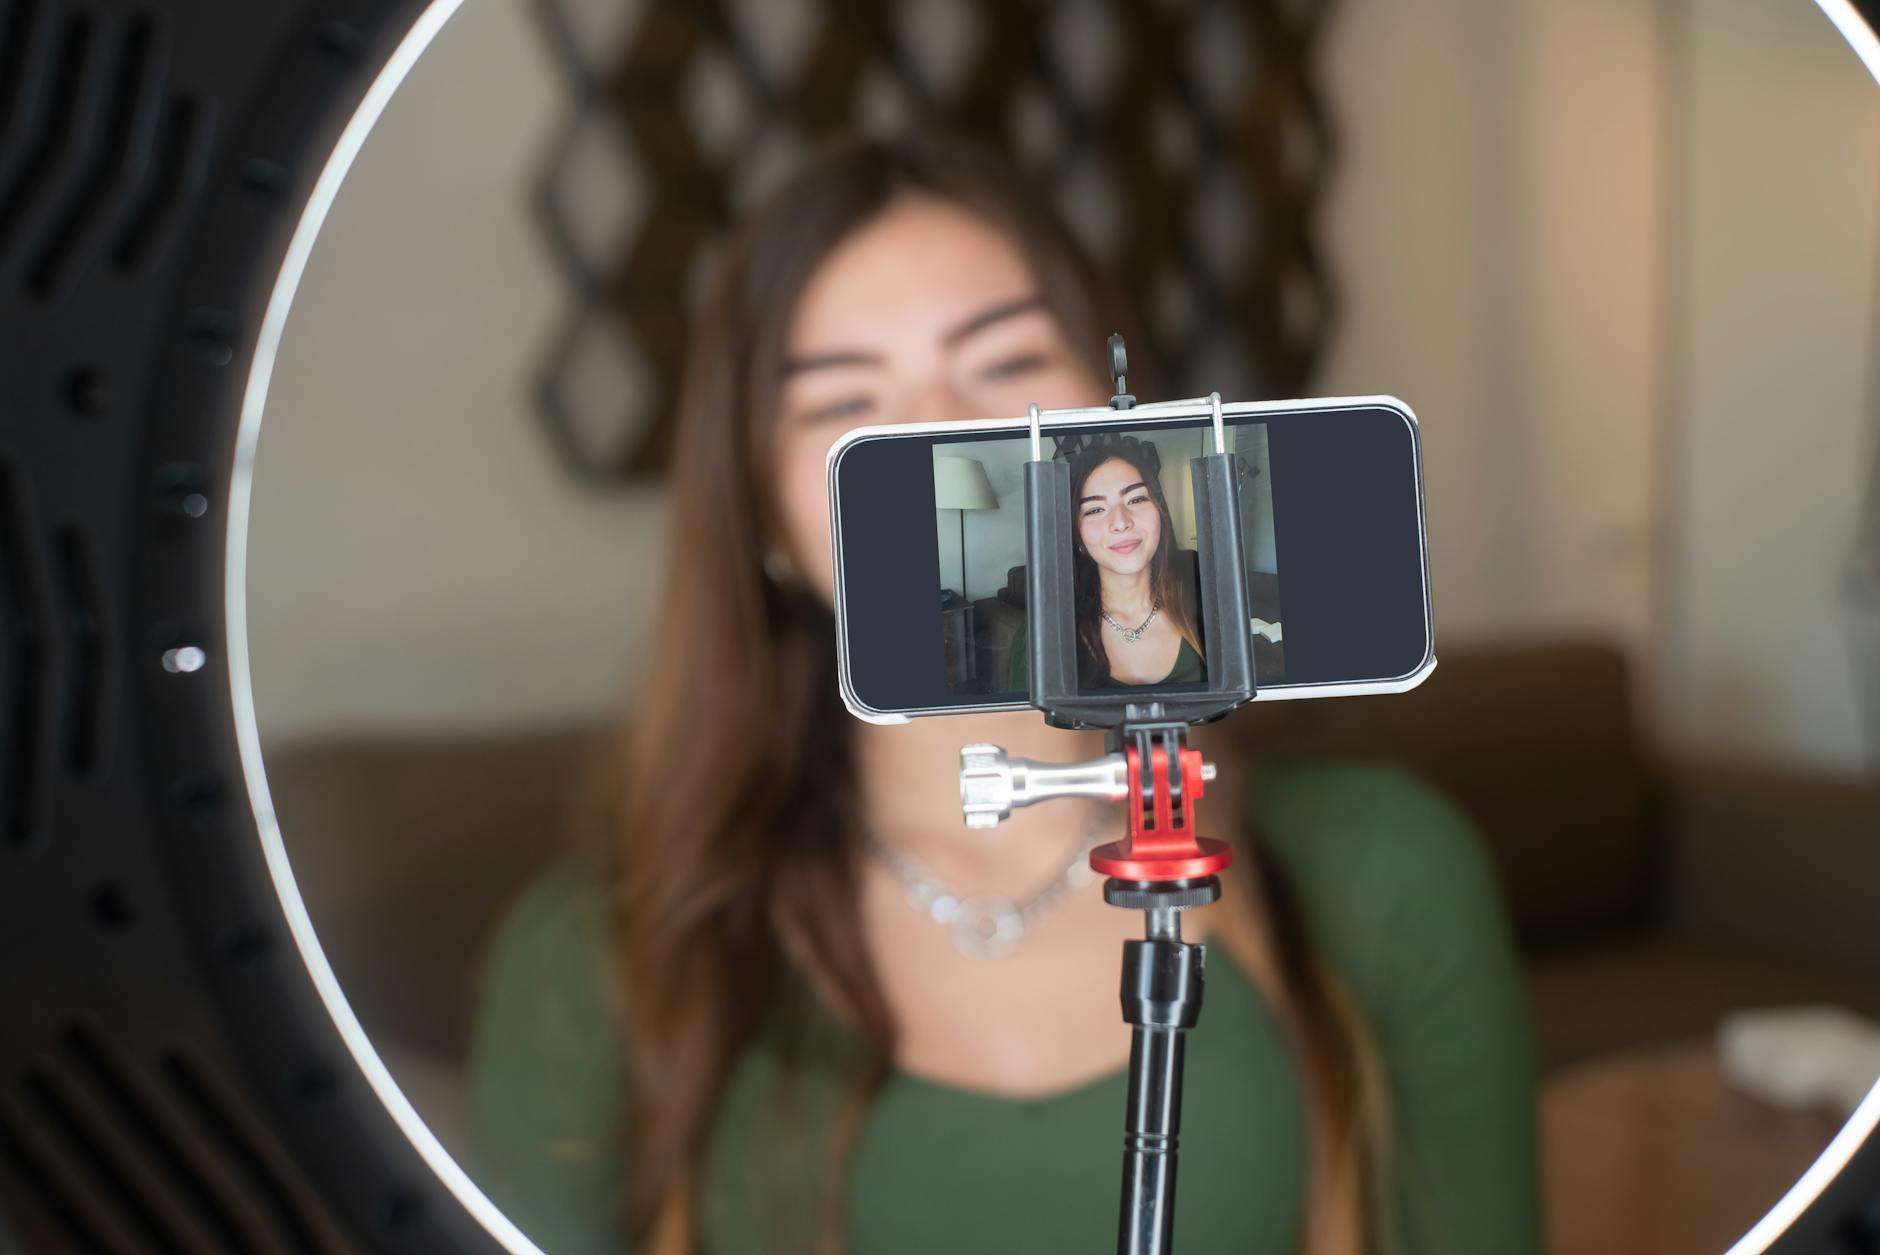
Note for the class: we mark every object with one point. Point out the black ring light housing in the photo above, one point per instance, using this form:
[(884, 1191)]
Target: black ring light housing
[(178, 1071)]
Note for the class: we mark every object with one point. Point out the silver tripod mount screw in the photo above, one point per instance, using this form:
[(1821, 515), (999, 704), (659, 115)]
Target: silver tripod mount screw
[(993, 784)]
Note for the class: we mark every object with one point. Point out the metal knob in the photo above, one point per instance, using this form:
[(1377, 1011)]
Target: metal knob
[(994, 784)]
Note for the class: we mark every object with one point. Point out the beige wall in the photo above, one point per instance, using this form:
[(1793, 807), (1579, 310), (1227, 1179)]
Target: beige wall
[(1619, 255), (1774, 407), (1493, 227), (418, 559)]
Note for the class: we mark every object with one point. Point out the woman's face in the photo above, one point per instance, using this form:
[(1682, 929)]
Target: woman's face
[(926, 314), (1117, 519)]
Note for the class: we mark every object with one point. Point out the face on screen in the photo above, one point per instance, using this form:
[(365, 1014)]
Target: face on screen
[(1137, 596)]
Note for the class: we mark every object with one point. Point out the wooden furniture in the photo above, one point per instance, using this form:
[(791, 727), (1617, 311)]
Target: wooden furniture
[(1651, 1152)]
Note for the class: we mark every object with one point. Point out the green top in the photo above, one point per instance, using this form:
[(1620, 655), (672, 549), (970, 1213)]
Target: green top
[(1187, 669), (1398, 899)]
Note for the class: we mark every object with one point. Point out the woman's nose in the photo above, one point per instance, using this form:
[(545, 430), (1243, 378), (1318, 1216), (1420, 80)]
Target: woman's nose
[(1120, 520)]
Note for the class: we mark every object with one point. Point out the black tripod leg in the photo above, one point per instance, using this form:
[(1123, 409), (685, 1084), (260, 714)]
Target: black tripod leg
[(1162, 1001), (1151, 1133)]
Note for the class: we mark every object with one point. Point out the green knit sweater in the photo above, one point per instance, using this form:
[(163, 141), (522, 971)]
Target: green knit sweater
[(1398, 898)]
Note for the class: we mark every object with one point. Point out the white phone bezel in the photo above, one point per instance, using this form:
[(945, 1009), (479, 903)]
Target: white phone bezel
[(1155, 413)]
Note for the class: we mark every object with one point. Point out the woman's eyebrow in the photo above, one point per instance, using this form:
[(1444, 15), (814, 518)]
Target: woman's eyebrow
[(838, 357), (859, 357), (1126, 490), (997, 313)]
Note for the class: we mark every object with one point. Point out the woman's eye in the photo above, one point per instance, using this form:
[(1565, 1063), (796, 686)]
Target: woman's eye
[(850, 407), (1091, 511), (1140, 499), (1012, 367)]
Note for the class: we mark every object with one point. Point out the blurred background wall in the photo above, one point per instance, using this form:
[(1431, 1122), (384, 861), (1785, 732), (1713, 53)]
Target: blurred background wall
[(1773, 414), (1494, 227), (420, 560), (1617, 254)]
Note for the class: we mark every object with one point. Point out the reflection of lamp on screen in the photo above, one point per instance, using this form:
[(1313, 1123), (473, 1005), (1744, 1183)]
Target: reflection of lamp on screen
[(961, 484)]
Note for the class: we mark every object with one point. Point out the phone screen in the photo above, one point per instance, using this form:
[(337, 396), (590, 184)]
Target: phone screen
[(1137, 611), (930, 555)]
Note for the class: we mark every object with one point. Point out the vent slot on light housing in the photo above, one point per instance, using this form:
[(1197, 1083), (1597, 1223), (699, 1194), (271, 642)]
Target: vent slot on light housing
[(110, 1176), (85, 653), (23, 682), (98, 156), (123, 1161), (118, 155), (216, 1117)]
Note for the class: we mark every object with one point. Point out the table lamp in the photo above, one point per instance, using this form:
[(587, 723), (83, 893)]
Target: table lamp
[(961, 484)]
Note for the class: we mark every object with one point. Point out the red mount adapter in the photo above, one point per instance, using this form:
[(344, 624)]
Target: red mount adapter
[(1162, 845)]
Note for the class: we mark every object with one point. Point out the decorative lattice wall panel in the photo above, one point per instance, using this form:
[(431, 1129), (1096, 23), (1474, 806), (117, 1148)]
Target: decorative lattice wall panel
[(1184, 140)]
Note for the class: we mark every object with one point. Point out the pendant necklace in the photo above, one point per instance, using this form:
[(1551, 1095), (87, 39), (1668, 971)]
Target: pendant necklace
[(984, 926), (1132, 634)]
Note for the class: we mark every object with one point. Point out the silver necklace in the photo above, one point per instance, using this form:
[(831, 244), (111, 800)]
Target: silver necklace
[(984, 926), (1133, 633)]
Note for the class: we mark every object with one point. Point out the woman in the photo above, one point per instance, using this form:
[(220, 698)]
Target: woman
[(1134, 594), (736, 1035)]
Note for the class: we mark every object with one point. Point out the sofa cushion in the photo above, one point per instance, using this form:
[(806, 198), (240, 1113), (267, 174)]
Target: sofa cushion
[(1537, 744), (1631, 992), (406, 851)]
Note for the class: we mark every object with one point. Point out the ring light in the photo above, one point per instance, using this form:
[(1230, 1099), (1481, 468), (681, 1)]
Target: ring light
[(179, 1068), (241, 695)]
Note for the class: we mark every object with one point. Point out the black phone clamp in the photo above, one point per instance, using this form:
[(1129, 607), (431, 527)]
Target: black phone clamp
[(1162, 867)]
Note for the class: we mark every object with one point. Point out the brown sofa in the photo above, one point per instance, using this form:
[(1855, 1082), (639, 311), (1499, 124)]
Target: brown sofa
[(1648, 899)]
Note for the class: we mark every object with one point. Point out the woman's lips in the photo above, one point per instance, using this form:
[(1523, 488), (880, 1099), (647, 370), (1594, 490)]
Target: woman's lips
[(1126, 546)]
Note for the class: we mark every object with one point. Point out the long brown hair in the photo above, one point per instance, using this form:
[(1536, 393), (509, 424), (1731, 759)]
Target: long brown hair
[(735, 829), (1085, 455)]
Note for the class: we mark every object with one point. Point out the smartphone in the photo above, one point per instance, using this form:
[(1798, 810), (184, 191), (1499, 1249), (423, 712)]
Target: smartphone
[(928, 530)]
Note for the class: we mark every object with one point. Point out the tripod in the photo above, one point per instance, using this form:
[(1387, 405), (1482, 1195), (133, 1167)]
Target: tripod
[(1161, 867)]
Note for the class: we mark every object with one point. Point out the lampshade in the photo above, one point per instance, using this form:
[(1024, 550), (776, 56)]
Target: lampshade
[(961, 484)]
